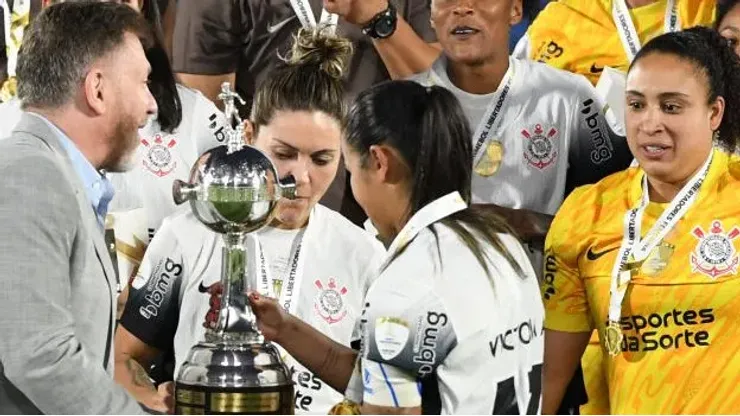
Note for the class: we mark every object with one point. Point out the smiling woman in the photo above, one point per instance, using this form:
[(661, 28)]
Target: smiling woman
[(673, 284)]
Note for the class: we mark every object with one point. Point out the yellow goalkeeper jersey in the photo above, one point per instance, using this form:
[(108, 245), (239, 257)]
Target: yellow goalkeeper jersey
[(580, 35), (680, 314)]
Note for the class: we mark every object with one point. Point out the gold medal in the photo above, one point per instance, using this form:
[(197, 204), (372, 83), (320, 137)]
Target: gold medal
[(277, 287), (658, 259), (491, 160), (346, 407), (613, 338)]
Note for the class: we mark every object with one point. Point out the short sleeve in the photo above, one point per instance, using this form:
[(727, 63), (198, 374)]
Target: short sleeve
[(152, 309), (412, 331), (209, 124), (563, 289), (418, 15), (595, 150), (209, 36)]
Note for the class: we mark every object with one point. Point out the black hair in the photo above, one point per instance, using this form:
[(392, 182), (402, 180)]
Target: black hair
[(427, 126), (163, 84), (310, 78), (712, 56), (723, 7)]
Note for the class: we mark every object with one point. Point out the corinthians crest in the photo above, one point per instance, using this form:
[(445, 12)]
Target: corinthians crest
[(159, 158), (329, 303), (540, 149), (715, 254)]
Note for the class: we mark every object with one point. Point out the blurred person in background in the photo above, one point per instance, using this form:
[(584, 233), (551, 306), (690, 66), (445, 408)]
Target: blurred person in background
[(584, 36)]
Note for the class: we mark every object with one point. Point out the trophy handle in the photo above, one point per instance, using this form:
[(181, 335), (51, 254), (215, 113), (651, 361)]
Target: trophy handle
[(183, 191)]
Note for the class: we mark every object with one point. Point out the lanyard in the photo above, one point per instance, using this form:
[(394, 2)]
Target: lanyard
[(428, 215), (489, 120), (302, 9), (635, 250), (490, 117), (269, 285), (626, 27)]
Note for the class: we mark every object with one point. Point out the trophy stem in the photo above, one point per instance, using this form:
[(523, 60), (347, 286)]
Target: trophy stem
[(236, 321)]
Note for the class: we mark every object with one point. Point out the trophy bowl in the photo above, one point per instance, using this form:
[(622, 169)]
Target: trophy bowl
[(234, 190)]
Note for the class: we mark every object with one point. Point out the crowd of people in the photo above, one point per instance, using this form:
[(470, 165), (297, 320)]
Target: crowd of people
[(558, 218)]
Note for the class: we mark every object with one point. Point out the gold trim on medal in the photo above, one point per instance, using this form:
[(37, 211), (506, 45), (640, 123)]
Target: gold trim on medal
[(490, 162), (613, 338)]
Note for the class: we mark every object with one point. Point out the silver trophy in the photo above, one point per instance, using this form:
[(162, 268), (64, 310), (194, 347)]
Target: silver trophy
[(234, 190)]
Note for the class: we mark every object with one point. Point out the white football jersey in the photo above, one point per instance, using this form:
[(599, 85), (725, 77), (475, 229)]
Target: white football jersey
[(163, 157), (551, 134), (473, 344), (183, 263)]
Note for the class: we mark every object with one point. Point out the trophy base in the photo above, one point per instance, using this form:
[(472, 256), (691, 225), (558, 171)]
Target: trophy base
[(233, 376), (201, 400)]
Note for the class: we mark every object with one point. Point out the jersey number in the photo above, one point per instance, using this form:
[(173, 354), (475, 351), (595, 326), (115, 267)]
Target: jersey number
[(506, 394)]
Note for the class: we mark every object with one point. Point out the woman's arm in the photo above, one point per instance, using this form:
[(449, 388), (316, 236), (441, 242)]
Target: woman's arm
[(331, 361), (563, 351)]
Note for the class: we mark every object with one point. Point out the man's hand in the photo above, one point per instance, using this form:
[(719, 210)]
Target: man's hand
[(357, 12)]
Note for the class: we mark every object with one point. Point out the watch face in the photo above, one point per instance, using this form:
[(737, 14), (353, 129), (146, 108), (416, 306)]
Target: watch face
[(384, 27)]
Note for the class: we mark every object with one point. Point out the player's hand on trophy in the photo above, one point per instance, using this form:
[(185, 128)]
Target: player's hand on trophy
[(358, 12), (166, 397), (271, 318), (162, 401)]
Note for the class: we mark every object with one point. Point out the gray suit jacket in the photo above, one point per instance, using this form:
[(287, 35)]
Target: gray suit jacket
[(58, 285)]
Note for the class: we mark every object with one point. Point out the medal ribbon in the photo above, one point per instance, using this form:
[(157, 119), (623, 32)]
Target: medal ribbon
[(302, 9), (489, 121), (428, 215), (292, 285), (634, 250), (626, 26)]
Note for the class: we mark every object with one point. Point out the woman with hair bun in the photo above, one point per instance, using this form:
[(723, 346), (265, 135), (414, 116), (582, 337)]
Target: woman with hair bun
[(297, 119), (649, 256), (453, 322)]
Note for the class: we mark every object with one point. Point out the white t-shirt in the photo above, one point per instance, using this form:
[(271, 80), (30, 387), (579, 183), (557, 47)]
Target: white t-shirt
[(552, 132), (160, 158), (474, 342), (184, 260)]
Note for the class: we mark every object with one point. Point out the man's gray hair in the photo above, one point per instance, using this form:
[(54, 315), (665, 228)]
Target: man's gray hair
[(64, 40)]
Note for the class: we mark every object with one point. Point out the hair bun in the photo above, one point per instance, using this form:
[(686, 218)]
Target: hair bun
[(322, 48)]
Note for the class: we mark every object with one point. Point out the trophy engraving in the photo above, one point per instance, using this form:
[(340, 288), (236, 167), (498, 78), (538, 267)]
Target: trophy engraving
[(233, 190)]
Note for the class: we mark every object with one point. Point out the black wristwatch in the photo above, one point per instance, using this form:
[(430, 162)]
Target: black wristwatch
[(383, 24)]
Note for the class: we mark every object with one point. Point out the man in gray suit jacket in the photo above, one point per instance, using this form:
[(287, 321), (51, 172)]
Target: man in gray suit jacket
[(82, 79)]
